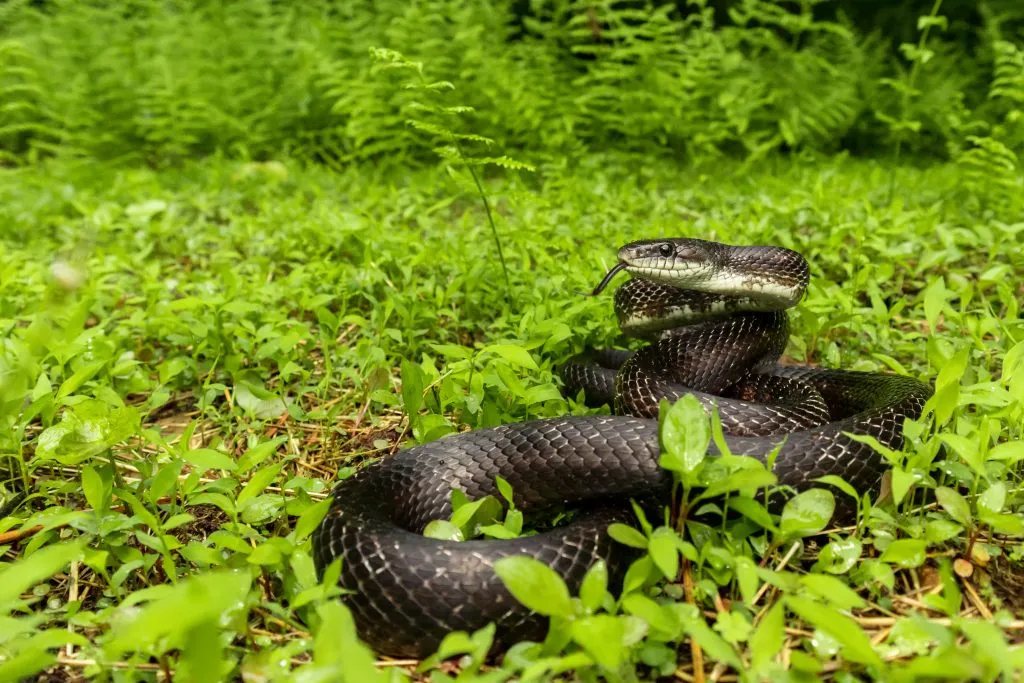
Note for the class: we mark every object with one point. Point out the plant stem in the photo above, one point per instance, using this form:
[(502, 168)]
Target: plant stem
[(490, 219), (905, 100)]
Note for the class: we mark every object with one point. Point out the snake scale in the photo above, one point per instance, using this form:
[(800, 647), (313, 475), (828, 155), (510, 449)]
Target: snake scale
[(715, 316)]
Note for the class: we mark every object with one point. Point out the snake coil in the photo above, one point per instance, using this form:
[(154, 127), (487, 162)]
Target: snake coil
[(715, 315)]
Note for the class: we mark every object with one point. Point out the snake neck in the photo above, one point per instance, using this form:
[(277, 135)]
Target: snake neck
[(648, 310)]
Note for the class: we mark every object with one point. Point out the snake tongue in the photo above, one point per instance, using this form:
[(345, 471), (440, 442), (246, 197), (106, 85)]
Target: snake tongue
[(607, 278)]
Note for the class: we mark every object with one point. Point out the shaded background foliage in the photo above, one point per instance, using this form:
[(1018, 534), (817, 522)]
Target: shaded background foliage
[(555, 78)]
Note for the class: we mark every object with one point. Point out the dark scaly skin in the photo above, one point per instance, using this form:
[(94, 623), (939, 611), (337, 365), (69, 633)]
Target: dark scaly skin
[(408, 591)]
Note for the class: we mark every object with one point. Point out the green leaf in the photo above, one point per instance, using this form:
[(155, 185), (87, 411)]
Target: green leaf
[(535, 585), (664, 551), (338, 647), (627, 535), (685, 435), (78, 378), (443, 530), (766, 643), (990, 640), (740, 480), (412, 388), (257, 483), (993, 499), (906, 553), (201, 658), (266, 554), (505, 489), (258, 453), (715, 645), (96, 492), (954, 504), (204, 459), (902, 480), (832, 590), (26, 572), (855, 642), (662, 618), (746, 577), (594, 586), (209, 596), (600, 636), (515, 355), (934, 301), (473, 514), (839, 556), (753, 510), (840, 484), (640, 570), (807, 513)]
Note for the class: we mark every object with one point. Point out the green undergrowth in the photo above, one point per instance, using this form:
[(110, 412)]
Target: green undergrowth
[(189, 358)]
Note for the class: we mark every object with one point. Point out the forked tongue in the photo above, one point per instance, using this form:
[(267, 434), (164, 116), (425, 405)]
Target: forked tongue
[(607, 278)]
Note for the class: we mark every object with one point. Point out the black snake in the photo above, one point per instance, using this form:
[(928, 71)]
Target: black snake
[(716, 315)]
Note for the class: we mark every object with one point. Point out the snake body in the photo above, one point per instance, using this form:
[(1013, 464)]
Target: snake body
[(715, 315)]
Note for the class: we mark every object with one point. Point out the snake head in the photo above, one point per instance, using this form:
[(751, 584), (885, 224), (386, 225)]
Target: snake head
[(681, 262)]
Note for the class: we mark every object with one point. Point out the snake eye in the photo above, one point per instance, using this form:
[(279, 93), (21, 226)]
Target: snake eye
[(666, 249)]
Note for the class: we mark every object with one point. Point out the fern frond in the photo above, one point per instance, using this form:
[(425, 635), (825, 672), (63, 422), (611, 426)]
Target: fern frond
[(1008, 81)]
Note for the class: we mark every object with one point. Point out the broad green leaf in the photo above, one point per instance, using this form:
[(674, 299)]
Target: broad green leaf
[(664, 551), (516, 355), (202, 656), (746, 577), (535, 585), (839, 556), (1009, 451), (600, 636), (658, 617), (257, 483), (994, 498), (906, 553), (204, 459), (26, 572), (715, 645), (209, 596), (741, 480), (337, 646), (412, 388), (990, 642), (902, 480), (840, 484), (832, 590), (733, 626), (955, 504), (640, 570), (855, 642), (311, 518), (468, 517), (258, 453), (627, 535), (505, 489), (78, 378), (967, 449), (807, 513), (594, 586), (265, 553), (766, 643), (934, 301), (753, 510), (685, 435), (96, 492)]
